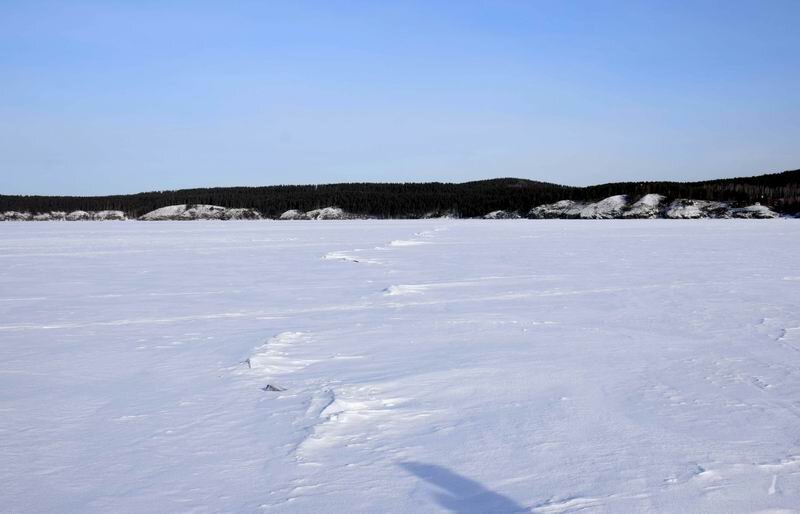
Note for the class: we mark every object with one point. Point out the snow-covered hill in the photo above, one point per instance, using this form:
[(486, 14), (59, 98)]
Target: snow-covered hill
[(610, 208), (326, 213), (78, 216), (109, 216), (562, 209), (502, 215), (756, 211), (648, 206), (199, 212), (613, 207), (693, 209)]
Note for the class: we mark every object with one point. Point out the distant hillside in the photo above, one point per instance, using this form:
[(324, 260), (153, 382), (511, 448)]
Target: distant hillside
[(389, 200)]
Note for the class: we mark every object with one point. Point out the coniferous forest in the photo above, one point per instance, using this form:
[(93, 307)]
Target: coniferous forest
[(781, 191)]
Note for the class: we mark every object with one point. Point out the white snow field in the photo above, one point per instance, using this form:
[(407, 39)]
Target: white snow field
[(410, 366)]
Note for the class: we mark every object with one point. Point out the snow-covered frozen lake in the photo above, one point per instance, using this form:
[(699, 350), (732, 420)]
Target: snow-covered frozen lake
[(428, 366)]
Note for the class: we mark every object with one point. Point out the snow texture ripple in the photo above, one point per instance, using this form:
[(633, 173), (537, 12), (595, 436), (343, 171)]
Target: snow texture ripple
[(401, 366)]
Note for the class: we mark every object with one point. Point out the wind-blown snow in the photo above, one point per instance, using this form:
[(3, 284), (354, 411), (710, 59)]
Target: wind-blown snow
[(526, 366)]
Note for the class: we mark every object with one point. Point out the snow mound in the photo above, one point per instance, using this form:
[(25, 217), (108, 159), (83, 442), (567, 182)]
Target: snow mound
[(78, 216), (44, 216), (294, 214), (501, 215), (562, 209), (608, 208), (695, 209), (274, 356), (648, 206), (407, 242), (109, 216), (756, 211)]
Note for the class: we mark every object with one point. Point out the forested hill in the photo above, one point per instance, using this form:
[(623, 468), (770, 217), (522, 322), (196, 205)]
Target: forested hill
[(780, 191)]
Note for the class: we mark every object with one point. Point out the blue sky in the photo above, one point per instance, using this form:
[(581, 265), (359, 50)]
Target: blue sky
[(119, 97)]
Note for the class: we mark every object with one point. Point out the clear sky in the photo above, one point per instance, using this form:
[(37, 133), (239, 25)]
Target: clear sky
[(125, 96)]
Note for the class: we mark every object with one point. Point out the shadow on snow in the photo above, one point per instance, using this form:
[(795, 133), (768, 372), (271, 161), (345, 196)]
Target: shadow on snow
[(460, 494)]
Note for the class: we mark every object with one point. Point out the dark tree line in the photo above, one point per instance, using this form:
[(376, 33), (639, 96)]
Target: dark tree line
[(780, 191)]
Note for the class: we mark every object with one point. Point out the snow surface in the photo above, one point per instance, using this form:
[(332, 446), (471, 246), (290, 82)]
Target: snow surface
[(526, 366)]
